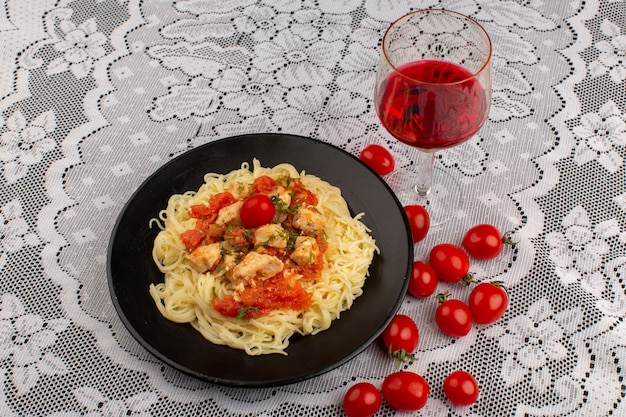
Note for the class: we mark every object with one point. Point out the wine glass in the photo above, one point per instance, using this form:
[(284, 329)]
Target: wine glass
[(433, 91)]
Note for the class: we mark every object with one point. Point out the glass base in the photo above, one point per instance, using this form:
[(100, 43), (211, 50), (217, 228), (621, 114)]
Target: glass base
[(444, 200)]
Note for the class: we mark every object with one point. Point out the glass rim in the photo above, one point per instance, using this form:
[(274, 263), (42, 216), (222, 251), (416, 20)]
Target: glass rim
[(457, 14)]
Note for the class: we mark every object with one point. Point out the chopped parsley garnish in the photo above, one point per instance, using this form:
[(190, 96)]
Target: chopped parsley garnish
[(242, 313), (281, 206), (285, 181)]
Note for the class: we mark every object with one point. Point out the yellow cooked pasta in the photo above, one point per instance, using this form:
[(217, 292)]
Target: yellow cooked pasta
[(187, 295)]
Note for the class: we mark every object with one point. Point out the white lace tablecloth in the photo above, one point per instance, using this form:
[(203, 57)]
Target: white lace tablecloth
[(96, 95)]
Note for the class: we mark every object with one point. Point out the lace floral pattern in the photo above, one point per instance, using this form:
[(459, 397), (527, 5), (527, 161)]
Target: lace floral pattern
[(23, 145), (96, 95)]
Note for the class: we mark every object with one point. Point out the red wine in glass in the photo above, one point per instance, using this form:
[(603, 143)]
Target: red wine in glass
[(432, 92), (432, 104)]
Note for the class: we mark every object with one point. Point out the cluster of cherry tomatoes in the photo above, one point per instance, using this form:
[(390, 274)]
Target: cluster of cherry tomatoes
[(406, 391), (450, 263), (487, 302)]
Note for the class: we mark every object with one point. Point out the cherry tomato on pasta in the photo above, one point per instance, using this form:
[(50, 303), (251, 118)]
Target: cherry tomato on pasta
[(362, 400), (484, 241), (378, 158), (419, 221), (405, 390), (400, 337), (450, 262), (423, 282), (453, 317), (488, 301), (461, 388), (257, 210)]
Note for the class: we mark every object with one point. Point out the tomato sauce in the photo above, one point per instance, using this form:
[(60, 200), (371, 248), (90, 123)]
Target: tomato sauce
[(277, 292)]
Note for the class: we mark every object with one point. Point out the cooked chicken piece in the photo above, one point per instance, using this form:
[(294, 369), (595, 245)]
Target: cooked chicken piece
[(241, 287), (238, 189), (309, 220), (271, 235), (228, 263), (283, 194), (229, 214), (205, 257), (257, 265), (306, 251)]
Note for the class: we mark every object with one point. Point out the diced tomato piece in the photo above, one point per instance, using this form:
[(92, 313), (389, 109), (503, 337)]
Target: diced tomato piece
[(305, 197), (199, 211), (209, 211), (221, 200), (203, 225), (263, 184), (302, 195), (238, 237), (191, 238)]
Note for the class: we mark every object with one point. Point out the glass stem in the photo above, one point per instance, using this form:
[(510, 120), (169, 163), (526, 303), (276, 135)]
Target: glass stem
[(425, 162)]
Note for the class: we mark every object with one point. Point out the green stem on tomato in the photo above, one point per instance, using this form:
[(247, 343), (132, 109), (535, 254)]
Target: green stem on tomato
[(400, 355), (506, 239)]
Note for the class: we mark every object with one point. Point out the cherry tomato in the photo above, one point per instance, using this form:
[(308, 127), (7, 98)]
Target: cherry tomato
[(257, 210), (378, 158), (400, 337), (419, 221), (423, 282), (362, 400), (488, 301), (484, 241), (405, 391), (453, 317), (461, 388), (450, 262)]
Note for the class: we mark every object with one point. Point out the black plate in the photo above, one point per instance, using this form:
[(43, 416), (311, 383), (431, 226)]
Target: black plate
[(131, 269)]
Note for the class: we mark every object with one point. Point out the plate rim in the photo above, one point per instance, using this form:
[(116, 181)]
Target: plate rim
[(136, 334)]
